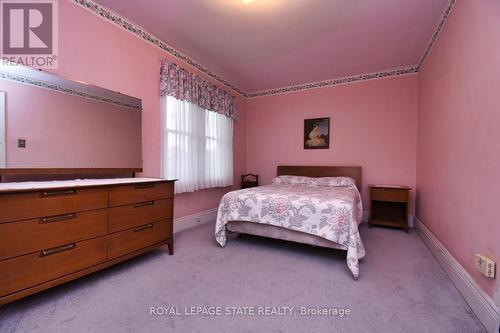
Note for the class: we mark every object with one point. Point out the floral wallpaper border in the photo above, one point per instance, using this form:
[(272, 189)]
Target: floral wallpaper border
[(335, 82), (439, 28), (141, 33), (51, 86)]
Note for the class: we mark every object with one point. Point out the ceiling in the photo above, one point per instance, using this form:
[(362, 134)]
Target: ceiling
[(267, 44)]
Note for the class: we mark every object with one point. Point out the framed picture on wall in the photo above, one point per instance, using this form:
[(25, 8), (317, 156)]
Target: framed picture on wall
[(317, 133)]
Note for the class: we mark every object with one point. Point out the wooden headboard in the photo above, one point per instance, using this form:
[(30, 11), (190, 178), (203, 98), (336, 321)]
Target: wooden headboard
[(322, 171)]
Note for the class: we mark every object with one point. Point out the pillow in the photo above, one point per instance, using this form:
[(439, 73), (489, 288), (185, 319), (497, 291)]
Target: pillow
[(292, 180), (334, 181), (310, 181)]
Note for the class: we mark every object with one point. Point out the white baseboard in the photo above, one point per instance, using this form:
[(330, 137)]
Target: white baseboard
[(366, 215), (190, 221), (411, 221), (481, 304)]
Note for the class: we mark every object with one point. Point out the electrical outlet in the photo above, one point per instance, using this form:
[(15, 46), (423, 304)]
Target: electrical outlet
[(486, 265), (21, 143)]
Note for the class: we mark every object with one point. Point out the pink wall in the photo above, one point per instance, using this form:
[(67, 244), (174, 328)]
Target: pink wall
[(56, 127), (373, 125), (96, 51), (458, 137)]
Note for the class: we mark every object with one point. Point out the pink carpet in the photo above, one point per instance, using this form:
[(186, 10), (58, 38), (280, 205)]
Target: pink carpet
[(401, 289)]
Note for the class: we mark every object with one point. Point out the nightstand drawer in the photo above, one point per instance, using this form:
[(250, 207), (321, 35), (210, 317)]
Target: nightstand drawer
[(389, 194)]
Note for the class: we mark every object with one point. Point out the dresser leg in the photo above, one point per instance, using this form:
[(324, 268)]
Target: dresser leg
[(170, 244)]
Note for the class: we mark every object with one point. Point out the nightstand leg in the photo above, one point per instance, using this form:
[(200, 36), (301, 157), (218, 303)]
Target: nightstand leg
[(170, 244), (405, 216)]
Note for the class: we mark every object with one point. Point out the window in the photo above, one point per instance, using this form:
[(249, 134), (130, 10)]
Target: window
[(197, 146)]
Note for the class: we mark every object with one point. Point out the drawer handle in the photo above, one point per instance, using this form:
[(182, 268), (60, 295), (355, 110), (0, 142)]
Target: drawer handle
[(59, 249), (58, 218), (57, 193), (144, 227), (140, 186), (142, 204)]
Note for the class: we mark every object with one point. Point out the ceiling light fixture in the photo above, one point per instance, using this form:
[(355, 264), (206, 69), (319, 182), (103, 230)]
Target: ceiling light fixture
[(248, 6)]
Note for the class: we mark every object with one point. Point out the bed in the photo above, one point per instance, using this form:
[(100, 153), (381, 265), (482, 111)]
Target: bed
[(304, 204)]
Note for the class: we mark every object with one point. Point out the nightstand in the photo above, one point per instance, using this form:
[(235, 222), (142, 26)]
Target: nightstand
[(389, 206), (249, 180)]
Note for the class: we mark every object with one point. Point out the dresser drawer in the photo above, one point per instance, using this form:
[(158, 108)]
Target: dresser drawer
[(389, 194), (126, 217), (137, 238), (22, 237), (128, 194), (33, 269), (30, 205)]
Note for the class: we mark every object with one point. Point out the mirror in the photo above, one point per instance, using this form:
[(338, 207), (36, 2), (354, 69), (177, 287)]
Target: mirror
[(47, 121)]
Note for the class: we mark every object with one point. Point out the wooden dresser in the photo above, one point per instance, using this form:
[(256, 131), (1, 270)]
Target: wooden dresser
[(54, 232)]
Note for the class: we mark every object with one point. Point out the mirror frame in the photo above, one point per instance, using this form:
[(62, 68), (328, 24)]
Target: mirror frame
[(30, 76), (27, 172)]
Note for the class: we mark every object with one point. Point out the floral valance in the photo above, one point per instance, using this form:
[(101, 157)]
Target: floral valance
[(179, 83)]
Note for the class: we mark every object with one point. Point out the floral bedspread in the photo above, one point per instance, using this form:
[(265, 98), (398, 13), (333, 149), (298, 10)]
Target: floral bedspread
[(332, 213)]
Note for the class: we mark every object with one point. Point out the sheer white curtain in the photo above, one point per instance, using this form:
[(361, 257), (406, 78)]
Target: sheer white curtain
[(197, 146)]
